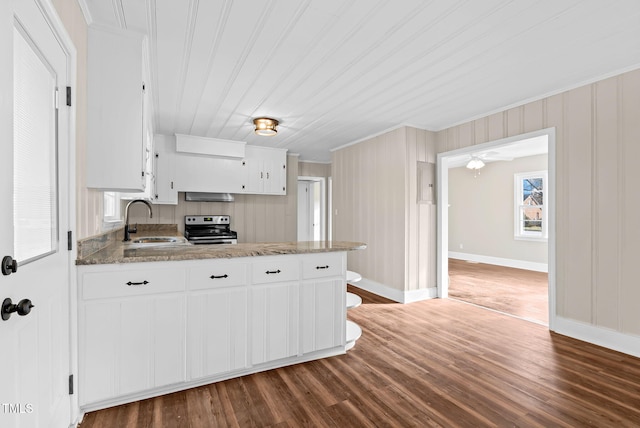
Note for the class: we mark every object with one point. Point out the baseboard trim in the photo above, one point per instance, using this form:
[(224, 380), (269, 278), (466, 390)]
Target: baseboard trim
[(611, 339), (518, 264), (395, 294)]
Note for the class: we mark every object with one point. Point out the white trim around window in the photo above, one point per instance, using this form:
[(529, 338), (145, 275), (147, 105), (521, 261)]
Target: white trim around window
[(534, 227)]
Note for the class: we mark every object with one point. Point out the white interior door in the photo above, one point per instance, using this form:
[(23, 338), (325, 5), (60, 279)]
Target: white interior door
[(34, 219), (305, 230)]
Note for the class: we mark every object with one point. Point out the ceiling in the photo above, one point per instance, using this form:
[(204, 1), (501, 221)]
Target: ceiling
[(334, 72)]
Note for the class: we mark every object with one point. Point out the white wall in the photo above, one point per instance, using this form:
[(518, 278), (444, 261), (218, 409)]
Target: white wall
[(481, 212)]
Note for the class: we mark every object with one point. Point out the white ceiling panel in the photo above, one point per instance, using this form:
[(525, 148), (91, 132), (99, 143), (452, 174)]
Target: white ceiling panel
[(335, 71)]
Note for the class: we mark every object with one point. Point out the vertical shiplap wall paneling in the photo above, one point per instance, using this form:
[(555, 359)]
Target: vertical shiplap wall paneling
[(597, 204), (412, 227), (630, 203), (481, 129), (533, 116), (496, 126), (606, 237), (291, 200), (577, 139), (554, 109), (313, 169), (420, 227), (369, 183)]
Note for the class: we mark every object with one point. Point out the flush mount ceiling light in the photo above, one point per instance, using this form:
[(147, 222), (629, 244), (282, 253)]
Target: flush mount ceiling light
[(475, 163), (265, 126)]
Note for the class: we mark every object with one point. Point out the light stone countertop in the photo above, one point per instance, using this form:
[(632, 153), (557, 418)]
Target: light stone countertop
[(120, 252)]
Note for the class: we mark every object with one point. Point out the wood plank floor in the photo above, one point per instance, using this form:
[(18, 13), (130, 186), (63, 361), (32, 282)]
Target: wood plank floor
[(440, 363), (518, 292)]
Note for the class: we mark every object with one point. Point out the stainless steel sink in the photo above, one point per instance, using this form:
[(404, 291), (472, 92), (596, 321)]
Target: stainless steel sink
[(155, 240)]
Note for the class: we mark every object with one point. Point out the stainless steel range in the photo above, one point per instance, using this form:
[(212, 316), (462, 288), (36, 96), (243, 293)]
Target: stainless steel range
[(209, 229)]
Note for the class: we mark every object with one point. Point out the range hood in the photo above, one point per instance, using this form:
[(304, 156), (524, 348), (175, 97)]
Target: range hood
[(208, 197)]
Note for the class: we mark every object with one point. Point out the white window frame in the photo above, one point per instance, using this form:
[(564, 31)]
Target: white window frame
[(111, 212), (518, 232)]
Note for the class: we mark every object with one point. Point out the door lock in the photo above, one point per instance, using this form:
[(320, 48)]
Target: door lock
[(9, 265), (22, 308)]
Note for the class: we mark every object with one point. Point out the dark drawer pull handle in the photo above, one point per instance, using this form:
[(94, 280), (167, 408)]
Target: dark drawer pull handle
[(218, 277), (137, 283), (272, 271), (322, 267)]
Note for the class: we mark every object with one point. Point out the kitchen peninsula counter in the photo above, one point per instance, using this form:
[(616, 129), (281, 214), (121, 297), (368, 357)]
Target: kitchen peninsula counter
[(178, 316), (120, 252)]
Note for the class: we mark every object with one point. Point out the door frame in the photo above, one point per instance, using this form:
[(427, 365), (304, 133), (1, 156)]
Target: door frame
[(442, 181), (323, 202)]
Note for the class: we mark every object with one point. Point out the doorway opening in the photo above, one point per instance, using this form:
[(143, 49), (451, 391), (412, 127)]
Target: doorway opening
[(483, 231), (311, 208)]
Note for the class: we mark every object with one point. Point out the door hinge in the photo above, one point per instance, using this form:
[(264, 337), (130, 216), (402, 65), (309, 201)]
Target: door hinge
[(69, 240), (70, 384), (69, 96)]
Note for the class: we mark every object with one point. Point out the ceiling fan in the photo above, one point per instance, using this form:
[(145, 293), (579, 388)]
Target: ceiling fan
[(477, 160)]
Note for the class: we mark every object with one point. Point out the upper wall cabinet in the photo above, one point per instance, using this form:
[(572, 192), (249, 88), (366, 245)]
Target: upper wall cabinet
[(119, 120), (208, 164), (265, 171), (198, 164)]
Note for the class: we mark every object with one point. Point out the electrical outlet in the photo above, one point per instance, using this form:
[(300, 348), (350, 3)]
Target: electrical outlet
[(461, 246)]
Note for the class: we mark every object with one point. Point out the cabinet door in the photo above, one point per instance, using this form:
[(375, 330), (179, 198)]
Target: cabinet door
[(164, 171), (323, 314), (202, 173), (252, 174), (217, 332), (130, 345), (265, 171), (115, 111), (275, 172), (275, 321)]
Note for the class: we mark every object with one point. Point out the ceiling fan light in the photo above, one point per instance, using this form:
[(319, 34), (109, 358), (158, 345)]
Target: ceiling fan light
[(475, 163), (265, 126)]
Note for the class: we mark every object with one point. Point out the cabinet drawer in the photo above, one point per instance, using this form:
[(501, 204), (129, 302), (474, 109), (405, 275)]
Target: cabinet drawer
[(217, 275), (98, 285), (279, 269), (322, 265)]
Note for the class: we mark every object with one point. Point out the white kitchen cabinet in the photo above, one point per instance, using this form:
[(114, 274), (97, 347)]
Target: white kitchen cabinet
[(131, 331), (217, 329), (117, 117), (274, 321), (204, 173), (199, 169), (323, 291), (146, 329), (274, 302), (164, 189), (265, 171)]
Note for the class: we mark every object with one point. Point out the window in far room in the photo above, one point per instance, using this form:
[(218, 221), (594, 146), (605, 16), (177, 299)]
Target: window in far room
[(530, 205)]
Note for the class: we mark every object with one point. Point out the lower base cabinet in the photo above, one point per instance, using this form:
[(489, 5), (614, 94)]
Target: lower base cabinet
[(217, 332), (321, 314), (150, 328), (129, 346), (275, 322)]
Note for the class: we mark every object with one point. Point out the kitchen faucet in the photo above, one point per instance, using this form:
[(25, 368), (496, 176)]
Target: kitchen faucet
[(127, 229)]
